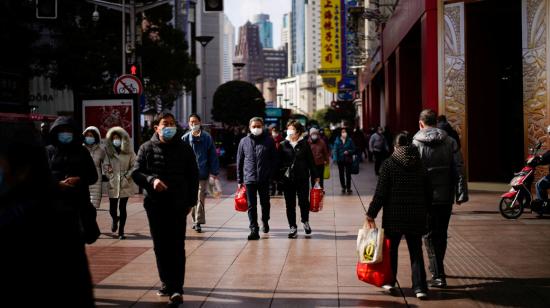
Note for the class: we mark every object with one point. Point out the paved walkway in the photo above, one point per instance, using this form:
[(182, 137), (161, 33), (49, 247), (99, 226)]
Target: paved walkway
[(490, 261)]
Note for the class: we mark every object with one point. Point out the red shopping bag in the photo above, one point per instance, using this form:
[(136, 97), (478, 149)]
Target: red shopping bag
[(316, 198), (241, 204), (377, 274)]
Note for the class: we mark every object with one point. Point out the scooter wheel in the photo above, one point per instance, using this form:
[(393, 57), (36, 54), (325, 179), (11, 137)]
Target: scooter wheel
[(510, 209)]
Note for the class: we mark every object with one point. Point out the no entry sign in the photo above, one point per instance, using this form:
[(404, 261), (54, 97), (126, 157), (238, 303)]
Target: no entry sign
[(128, 84)]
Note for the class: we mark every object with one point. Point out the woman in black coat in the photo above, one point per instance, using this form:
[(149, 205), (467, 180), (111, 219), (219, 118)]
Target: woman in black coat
[(404, 191), (298, 166)]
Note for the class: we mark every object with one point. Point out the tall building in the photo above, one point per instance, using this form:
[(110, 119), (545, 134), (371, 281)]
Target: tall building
[(228, 49), (297, 37), (274, 63), (250, 52), (265, 28), (285, 40)]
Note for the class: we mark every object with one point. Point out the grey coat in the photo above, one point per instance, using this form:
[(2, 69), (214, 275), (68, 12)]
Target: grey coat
[(443, 159)]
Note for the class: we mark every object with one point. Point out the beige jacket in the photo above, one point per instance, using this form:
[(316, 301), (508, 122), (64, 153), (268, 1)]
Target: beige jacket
[(98, 155), (118, 166)]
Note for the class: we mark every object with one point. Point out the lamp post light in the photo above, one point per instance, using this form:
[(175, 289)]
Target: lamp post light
[(203, 40), (239, 66)]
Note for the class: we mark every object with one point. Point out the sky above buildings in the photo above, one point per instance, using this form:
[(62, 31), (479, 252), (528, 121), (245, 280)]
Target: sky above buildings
[(239, 11)]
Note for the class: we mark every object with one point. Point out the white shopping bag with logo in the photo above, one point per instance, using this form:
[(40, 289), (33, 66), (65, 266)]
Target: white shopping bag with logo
[(370, 242)]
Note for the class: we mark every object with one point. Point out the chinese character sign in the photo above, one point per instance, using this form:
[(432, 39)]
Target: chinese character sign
[(331, 41)]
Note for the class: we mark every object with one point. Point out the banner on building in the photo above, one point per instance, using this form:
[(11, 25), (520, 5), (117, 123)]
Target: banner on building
[(331, 44)]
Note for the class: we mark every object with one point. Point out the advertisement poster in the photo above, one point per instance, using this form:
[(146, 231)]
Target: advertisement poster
[(106, 113)]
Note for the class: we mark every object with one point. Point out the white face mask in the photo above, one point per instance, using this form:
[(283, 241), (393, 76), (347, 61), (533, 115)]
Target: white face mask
[(314, 137), (274, 134), (290, 132), (256, 131), (117, 143), (195, 127)]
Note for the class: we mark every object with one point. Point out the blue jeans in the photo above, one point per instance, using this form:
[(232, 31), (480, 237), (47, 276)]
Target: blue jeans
[(542, 186)]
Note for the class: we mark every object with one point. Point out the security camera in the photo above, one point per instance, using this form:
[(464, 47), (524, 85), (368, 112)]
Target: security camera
[(95, 16)]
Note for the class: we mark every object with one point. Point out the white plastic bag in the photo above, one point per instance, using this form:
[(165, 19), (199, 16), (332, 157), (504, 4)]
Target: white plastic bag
[(370, 242), (214, 187)]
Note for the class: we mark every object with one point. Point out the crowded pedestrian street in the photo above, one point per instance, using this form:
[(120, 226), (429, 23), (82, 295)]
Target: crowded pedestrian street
[(490, 261)]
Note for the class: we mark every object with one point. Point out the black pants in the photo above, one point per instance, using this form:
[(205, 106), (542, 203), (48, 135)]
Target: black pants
[(290, 191), (436, 238), (414, 243), (344, 169), (379, 157), (320, 173), (252, 190), (167, 225), (121, 203)]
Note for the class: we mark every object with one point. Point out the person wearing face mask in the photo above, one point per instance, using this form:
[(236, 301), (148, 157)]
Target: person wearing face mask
[(91, 142), (166, 169), (276, 186), (298, 165), (342, 154), (117, 167), (378, 145), (207, 160), (256, 161), (320, 152), (72, 167)]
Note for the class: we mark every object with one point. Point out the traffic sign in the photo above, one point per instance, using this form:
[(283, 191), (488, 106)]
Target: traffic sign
[(128, 84)]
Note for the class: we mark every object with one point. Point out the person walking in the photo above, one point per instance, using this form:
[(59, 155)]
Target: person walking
[(256, 161), (360, 142), (442, 158), (378, 145), (276, 185), (41, 240), (91, 142), (118, 164), (321, 155), (166, 169), (342, 154), (404, 191), (297, 166), (207, 161)]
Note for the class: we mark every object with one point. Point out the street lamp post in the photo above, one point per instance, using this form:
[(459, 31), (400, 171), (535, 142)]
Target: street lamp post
[(239, 66), (203, 40)]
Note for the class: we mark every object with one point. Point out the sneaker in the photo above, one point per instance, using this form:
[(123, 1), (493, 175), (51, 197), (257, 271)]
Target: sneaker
[(293, 232), (175, 298), (421, 295), (265, 228), (194, 226), (348, 191), (254, 236), (388, 287), (307, 228), (438, 282), (162, 292), (121, 237), (198, 228), (343, 190)]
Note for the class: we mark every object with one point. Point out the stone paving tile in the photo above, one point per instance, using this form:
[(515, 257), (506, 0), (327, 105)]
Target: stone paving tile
[(491, 261)]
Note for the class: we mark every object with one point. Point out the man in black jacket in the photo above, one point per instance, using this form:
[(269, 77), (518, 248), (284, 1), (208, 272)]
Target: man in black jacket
[(256, 161), (441, 156), (166, 169)]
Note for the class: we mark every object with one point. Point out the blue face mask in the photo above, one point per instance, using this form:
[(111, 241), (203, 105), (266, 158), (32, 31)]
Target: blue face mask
[(65, 137), (168, 132), (117, 143), (89, 140)]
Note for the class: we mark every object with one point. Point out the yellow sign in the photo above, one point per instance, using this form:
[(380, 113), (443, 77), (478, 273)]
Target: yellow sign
[(331, 45)]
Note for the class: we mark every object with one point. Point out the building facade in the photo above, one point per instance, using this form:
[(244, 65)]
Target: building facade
[(483, 64), (250, 52), (228, 49), (265, 28), (275, 63)]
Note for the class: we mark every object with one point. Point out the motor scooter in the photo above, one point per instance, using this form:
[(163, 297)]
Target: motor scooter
[(519, 197)]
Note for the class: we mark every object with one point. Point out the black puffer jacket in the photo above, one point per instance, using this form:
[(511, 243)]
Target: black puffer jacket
[(256, 159), (71, 160), (300, 158), (404, 191), (173, 163), (443, 159)]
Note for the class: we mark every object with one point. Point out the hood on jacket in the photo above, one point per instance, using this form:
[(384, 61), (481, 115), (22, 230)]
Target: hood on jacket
[(68, 122), (406, 156), (125, 148), (95, 131), (431, 135)]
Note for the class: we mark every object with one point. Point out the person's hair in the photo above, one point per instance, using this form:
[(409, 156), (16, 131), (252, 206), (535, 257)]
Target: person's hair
[(441, 119), (163, 115), (428, 117), (194, 115), (256, 119), (297, 125), (402, 139), (343, 129), (117, 134), (275, 128)]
